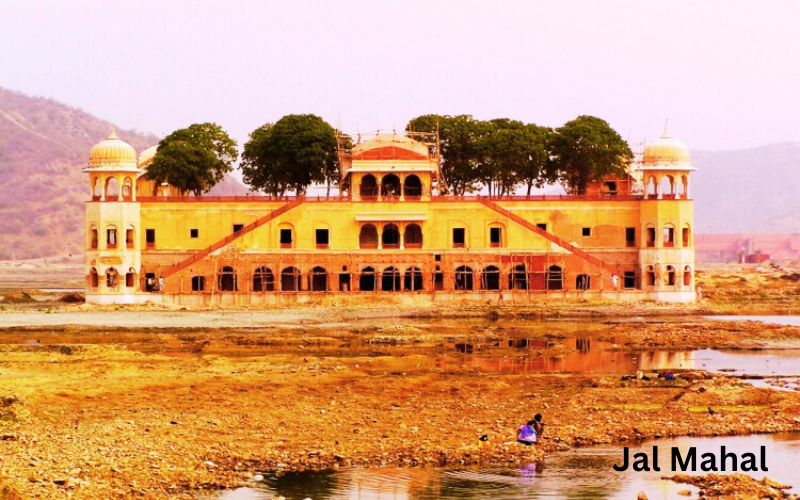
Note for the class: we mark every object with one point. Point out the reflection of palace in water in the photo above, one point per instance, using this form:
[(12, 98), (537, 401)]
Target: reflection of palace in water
[(580, 355)]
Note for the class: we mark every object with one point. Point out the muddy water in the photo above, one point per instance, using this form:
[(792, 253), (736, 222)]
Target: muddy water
[(584, 473)]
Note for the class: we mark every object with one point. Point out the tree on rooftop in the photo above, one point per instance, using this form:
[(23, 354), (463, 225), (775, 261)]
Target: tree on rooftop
[(292, 154), (458, 137), (587, 149), (193, 159)]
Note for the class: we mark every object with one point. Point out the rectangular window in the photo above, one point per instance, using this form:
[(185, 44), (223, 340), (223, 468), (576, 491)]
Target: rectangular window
[(111, 238), (129, 238), (437, 257), (459, 237), (630, 236), (629, 280), (150, 238), (286, 238), (94, 238), (198, 283), (322, 238), (542, 226), (586, 231), (237, 227), (194, 233), (651, 237), (583, 282), (669, 237), (150, 281), (495, 236), (685, 236)]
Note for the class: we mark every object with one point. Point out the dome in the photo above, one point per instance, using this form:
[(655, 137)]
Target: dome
[(146, 156), (112, 152), (666, 149), (391, 147)]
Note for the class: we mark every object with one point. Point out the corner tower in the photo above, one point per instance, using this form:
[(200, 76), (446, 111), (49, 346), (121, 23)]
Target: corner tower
[(113, 256), (667, 253)]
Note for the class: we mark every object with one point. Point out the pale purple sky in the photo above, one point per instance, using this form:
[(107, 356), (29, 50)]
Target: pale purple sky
[(725, 73)]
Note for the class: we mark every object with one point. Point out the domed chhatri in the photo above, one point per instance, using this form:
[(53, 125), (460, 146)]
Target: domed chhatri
[(666, 150), (113, 152), (390, 147), (146, 156)]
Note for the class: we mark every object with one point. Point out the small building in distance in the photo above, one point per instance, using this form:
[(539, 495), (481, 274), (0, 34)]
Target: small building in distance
[(388, 233), (747, 247)]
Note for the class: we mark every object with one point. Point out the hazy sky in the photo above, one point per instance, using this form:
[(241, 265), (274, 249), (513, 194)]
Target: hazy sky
[(725, 73)]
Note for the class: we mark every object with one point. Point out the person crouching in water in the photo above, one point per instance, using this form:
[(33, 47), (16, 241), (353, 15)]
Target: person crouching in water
[(530, 433)]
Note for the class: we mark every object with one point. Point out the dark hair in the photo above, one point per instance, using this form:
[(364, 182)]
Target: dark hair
[(538, 417), (531, 422)]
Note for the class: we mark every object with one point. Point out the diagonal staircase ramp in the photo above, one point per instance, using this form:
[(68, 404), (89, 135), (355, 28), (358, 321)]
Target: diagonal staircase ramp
[(548, 236), (202, 254)]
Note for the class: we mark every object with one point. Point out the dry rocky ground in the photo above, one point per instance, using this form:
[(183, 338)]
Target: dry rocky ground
[(96, 411)]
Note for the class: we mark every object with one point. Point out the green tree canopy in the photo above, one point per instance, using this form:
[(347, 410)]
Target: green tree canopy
[(193, 159), (588, 149), (521, 157), (291, 154), (458, 137)]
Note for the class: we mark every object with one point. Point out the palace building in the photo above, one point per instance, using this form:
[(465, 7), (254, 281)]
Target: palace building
[(388, 234)]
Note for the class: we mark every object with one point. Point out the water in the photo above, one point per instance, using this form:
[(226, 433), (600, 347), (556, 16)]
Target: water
[(778, 320), (583, 473)]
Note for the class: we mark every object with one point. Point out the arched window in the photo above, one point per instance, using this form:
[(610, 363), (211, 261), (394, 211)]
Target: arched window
[(263, 280), (680, 187), (290, 279), (93, 237), (129, 237), (652, 190), (518, 279), (668, 187), (112, 189), (555, 278), (650, 275), (94, 279), (130, 278), (368, 237), (367, 282), (685, 187), (412, 187), (318, 280), (463, 278), (413, 279), (686, 236), (111, 278), (687, 276), (670, 281), (390, 186), (369, 187), (390, 236), (97, 190), (668, 233), (127, 189), (227, 280), (412, 237), (390, 280), (490, 278), (111, 236)]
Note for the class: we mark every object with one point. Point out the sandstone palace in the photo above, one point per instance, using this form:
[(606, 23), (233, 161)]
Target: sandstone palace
[(388, 234)]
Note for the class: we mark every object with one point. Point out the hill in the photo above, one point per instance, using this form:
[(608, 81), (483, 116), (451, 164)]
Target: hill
[(43, 146), (747, 191)]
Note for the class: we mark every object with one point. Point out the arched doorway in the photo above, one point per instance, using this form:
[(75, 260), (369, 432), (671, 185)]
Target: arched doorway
[(318, 280), (263, 280), (555, 278), (290, 279), (412, 281), (518, 279), (112, 189), (390, 236), (463, 278), (367, 282), (412, 237), (369, 187), (490, 278), (112, 278), (226, 280), (390, 280), (390, 186), (94, 279), (412, 187)]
